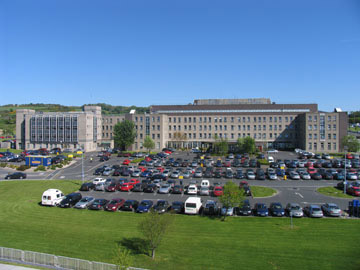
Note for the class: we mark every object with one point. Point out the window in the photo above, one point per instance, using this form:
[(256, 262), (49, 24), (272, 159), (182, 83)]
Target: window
[(248, 119), (309, 127), (315, 118), (329, 136), (286, 119), (280, 119), (275, 119), (315, 127), (291, 118), (329, 118), (225, 119), (315, 136), (310, 146), (153, 136), (329, 146), (200, 119), (334, 127), (169, 127), (255, 127), (248, 127), (264, 127), (232, 119), (232, 135), (254, 119), (334, 136), (334, 146), (259, 119), (174, 119), (322, 146), (141, 135), (270, 118), (270, 135), (232, 127), (158, 136), (264, 119), (270, 127), (169, 119), (239, 127), (334, 118), (310, 118), (329, 127), (310, 136), (169, 135)]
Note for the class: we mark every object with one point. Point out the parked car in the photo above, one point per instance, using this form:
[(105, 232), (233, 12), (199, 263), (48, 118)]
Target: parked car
[(177, 207), (16, 175), (177, 189), (218, 191), (70, 200), (244, 209), (313, 211), (164, 189), (115, 204), (204, 191), (227, 211), (150, 188), (211, 208), (144, 206), (130, 205), (192, 190), (294, 210), (276, 210), (162, 206), (261, 210), (87, 186), (84, 202), (331, 210), (98, 204), (98, 180)]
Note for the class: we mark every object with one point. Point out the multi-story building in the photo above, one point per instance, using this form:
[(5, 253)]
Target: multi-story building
[(71, 130), (280, 126)]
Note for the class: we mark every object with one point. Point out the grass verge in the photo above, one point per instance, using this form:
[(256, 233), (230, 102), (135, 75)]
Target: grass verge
[(193, 242), (334, 192), (259, 191)]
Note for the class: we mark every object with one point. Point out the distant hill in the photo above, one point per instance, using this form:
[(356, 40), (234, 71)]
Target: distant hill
[(8, 112)]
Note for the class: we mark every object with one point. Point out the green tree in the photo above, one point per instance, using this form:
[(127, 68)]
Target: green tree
[(122, 258), (246, 145), (154, 227), (124, 134), (351, 143), (149, 143), (232, 197), (221, 146)]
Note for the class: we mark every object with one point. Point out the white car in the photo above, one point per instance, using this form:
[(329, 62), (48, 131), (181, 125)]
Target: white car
[(192, 190), (136, 173), (98, 180), (305, 176), (271, 151)]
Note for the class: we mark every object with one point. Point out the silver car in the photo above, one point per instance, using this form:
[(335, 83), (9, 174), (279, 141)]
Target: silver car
[(228, 212), (100, 187), (294, 210), (84, 202), (305, 176), (294, 175), (198, 174), (331, 209), (165, 189), (272, 176), (204, 191), (107, 172), (136, 173), (313, 211), (250, 175), (186, 175), (175, 175)]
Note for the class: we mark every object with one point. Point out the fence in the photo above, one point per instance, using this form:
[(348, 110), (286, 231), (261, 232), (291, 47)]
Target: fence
[(53, 261)]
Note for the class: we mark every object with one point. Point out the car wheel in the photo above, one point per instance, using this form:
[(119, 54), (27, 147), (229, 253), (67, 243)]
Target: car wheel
[(21, 177)]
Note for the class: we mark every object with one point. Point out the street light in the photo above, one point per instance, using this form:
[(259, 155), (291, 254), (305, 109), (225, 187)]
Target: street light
[(82, 166), (345, 182)]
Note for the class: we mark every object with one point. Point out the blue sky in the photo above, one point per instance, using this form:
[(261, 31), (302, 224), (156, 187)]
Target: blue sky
[(143, 52)]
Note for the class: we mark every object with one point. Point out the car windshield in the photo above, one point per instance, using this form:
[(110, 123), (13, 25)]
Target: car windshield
[(296, 207), (316, 209), (161, 203), (85, 199), (191, 205), (113, 201), (145, 203), (276, 206), (165, 186), (333, 207)]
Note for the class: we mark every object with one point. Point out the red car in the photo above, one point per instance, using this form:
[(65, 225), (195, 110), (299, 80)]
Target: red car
[(141, 168), (115, 204), (112, 187), (218, 191), (349, 156), (243, 183), (134, 181), (147, 159), (353, 189), (309, 164), (126, 162), (160, 169), (126, 187), (312, 170), (227, 164), (168, 152)]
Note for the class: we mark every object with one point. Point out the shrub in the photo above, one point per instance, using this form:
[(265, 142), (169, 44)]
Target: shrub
[(263, 162), (12, 166), (40, 168), (69, 159), (53, 167), (3, 164), (23, 167), (59, 165), (137, 160)]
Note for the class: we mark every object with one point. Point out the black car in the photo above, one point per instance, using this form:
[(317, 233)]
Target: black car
[(218, 174), (229, 174), (104, 158), (130, 205), (17, 159), (177, 207), (150, 188), (178, 189), (276, 210), (316, 176), (87, 186), (239, 174), (260, 210), (158, 176), (162, 206), (100, 170), (16, 175), (211, 208), (70, 200), (260, 174), (98, 204), (244, 209), (139, 187)]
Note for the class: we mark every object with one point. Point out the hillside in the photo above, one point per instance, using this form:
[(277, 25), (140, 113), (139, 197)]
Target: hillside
[(8, 112)]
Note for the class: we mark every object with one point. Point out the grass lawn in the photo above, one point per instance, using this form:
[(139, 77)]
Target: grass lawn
[(193, 242), (259, 191), (334, 192), (16, 151)]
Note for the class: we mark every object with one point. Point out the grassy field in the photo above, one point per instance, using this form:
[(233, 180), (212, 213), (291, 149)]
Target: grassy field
[(334, 192), (194, 242), (258, 191), (16, 151)]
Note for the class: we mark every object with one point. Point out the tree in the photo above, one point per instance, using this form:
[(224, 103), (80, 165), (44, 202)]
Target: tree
[(124, 134), (122, 258), (232, 197), (179, 137), (154, 227), (221, 146), (149, 143), (246, 145), (351, 143)]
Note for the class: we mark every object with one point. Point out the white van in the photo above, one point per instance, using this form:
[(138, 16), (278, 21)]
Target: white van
[(205, 183), (52, 197), (270, 159), (193, 205)]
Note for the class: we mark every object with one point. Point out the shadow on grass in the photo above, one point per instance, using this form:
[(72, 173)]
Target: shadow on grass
[(135, 244)]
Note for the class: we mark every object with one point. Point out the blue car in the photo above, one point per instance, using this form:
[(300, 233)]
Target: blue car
[(280, 172), (146, 173), (261, 210), (144, 206)]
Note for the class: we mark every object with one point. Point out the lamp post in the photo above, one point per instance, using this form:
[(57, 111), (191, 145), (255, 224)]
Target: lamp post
[(82, 166), (345, 181)]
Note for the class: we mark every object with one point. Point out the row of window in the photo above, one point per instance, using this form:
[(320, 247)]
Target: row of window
[(315, 118), (232, 127), (315, 127), (147, 118), (315, 136), (141, 127), (314, 146), (110, 120), (232, 119), (232, 135)]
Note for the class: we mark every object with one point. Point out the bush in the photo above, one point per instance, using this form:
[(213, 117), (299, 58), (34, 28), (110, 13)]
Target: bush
[(23, 167), (137, 160), (12, 166), (40, 168), (59, 165), (53, 167), (69, 159), (3, 164), (263, 162)]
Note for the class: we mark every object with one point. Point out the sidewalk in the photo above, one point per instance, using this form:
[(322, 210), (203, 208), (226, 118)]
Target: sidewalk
[(14, 267)]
